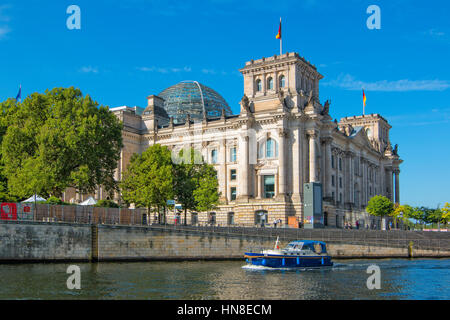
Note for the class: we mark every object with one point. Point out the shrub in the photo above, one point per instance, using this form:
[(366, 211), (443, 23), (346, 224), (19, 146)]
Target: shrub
[(107, 204)]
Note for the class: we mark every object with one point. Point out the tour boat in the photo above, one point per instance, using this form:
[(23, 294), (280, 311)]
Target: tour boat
[(297, 254)]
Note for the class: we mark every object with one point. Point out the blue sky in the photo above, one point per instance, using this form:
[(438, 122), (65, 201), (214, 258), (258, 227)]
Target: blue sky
[(127, 50)]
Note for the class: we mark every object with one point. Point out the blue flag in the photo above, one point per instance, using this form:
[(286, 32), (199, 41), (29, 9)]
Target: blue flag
[(19, 95)]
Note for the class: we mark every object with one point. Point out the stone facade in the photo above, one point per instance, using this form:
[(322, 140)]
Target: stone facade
[(282, 138)]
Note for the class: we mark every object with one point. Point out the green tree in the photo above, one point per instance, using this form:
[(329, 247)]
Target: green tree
[(446, 213), (148, 180), (380, 206), (6, 109), (106, 204), (401, 213), (186, 180), (206, 194), (60, 139)]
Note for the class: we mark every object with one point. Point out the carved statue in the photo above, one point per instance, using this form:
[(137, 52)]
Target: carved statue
[(326, 108), (310, 96), (395, 151), (282, 99), (245, 103)]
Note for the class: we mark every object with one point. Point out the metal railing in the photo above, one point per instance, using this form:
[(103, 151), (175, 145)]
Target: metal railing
[(139, 217)]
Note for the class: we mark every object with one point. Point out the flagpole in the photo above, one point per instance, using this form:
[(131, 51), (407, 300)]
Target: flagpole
[(281, 46), (281, 40)]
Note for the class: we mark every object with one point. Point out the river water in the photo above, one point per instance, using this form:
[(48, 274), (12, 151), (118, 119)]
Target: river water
[(400, 279)]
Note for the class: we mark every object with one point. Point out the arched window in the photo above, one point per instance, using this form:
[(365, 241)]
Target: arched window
[(268, 149), (261, 217), (271, 148), (282, 81), (214, 156), (194, 218), (258, 85), (212, 218), (270, 83), (230, 218)]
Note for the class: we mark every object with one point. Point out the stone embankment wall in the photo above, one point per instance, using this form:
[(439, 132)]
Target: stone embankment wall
[(37, 241)]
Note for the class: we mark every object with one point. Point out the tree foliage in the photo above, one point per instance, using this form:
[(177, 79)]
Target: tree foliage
[(380, 206), (446, 212), (148, 180), (153, 178), (60, 139), (206, 194), (106, 204), (186, 179)]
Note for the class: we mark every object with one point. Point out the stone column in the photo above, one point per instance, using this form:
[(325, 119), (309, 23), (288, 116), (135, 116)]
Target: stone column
[(259, 186), (363, 182), (397, 186), (296, 165), (282, 134), (312, 155), (243, 168), (327, 176), (223, 170), (390, 184)]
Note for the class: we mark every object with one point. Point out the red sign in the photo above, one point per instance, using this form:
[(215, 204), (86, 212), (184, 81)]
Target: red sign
[(8, 211)]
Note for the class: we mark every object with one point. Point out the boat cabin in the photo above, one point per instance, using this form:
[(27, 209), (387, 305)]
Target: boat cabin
[(305, 247)]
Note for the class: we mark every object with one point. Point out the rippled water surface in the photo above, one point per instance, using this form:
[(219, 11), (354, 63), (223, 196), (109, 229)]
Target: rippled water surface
[(400, 279)]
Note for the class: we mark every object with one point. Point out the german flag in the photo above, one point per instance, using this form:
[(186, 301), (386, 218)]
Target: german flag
[(364, 98), (278, 36)]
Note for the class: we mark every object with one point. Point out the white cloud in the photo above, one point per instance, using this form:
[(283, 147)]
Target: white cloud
[(3, 16), (164, 70), (89, 69), (4, 29), (348, 82), (434, 33)]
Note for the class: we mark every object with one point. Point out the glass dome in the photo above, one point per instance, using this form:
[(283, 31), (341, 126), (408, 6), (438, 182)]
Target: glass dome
[(191, 97)]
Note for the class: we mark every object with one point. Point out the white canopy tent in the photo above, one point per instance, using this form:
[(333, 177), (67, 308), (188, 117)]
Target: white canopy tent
[(34, 198), (88, 202)]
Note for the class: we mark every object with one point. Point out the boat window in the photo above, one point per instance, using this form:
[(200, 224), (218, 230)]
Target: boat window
[(317, 248)]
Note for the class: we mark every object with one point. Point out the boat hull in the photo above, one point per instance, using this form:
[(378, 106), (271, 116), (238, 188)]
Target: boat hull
[(288, 261)]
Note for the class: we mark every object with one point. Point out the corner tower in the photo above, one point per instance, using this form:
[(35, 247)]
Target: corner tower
[(267, 80)]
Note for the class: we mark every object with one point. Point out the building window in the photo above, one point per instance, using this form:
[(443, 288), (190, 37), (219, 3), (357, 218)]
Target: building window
[(212, 218), (282, 84), (270, 83), (332, 181), (340, 197), (194, 218), (261, 217), (268, 149), (233, 174), (340, 182), (271, 148), (258, 85), (214, 156), (340, 164), (332, 195), (269, 186), (332, 161), (230, 218), (233, 154), (233, 193)]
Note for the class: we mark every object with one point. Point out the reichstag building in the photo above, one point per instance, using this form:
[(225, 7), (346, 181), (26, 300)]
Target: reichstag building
[(282, 138)]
